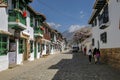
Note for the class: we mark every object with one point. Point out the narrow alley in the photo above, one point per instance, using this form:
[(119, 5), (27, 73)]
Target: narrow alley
[(64, 66)]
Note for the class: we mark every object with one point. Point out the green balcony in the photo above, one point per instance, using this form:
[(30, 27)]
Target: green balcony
[(16, 20), (38, 33)]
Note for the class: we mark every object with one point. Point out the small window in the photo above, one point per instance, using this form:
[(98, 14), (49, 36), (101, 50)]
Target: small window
[(31, 46), (21, 46), (3, 45), (103, 37)]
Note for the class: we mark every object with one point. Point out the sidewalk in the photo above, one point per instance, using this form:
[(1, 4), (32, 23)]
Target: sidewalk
[(10, 73)]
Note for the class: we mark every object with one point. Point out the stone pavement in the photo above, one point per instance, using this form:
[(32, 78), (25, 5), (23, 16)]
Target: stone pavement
[(65, 66)]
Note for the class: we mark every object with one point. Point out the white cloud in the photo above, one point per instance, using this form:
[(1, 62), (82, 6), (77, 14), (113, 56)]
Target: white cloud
[(81, 14), (54, 25), (73, 28)]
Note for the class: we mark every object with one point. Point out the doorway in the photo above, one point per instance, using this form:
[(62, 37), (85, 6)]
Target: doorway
[(12, 52)]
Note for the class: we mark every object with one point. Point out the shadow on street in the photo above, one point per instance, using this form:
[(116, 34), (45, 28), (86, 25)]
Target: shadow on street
[(78, 68)]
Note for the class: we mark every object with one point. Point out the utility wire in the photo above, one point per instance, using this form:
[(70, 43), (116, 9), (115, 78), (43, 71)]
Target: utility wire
[(39, 10), (56, 10)]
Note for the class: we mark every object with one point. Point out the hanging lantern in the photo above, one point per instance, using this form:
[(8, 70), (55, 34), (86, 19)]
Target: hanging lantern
[(24, 14)]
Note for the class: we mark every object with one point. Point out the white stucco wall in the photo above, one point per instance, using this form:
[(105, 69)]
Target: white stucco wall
[(19, 59), (52, 50), (113, 31), (55, 38), (38, 53), (96, 36), (30, 32), (3, 19), (31, 56), (88, 46), (29, 29), (44, 51), (4, 27), (19, 55), (3, 62)]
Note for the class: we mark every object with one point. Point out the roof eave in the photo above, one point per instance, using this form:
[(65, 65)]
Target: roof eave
[(99, 3), (31, 9), (43, 16), (92, 16)]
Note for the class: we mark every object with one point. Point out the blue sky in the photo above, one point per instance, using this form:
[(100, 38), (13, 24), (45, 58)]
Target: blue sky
[(65, 14)]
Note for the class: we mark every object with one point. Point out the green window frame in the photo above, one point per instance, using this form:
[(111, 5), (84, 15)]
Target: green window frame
[(38, 47), (3, 45), (31, 46), (21, 46)]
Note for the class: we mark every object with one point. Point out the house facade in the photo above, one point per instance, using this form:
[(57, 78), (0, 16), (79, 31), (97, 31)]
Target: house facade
[(4, 36), (18, 26), (24, 34), (13, 22), (105, 21)]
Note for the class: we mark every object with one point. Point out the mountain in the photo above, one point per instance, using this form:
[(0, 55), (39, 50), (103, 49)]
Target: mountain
[(80, 34), (68, 35)]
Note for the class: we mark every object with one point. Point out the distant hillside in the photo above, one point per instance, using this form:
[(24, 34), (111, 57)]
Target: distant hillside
[(82, 33), (68, 35)]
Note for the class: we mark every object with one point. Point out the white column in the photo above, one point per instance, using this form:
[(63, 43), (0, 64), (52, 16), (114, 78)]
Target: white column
[(45, 48), (17, 48)]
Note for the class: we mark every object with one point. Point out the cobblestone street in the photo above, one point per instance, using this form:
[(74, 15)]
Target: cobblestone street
[(65, 66)]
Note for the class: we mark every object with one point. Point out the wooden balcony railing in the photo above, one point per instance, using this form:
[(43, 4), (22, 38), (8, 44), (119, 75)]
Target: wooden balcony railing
[(15, 16)]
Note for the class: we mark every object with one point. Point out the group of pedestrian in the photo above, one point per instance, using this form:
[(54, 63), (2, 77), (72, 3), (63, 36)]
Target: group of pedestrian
[(95, 54)]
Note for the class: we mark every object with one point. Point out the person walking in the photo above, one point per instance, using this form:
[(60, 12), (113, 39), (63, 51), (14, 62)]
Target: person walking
[(85, 50), (90, 55), (94, 55), (98, 56)]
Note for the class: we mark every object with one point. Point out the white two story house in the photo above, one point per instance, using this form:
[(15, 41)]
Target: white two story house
[(105, 21)]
